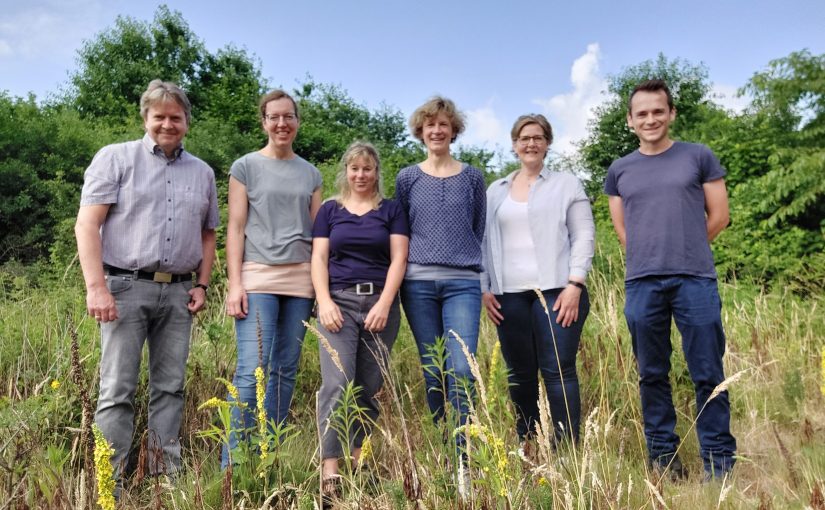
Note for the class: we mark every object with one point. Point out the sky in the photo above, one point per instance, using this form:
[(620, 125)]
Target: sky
[(496, 60)]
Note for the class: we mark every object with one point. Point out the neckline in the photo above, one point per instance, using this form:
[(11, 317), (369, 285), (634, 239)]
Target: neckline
[(464, 166)]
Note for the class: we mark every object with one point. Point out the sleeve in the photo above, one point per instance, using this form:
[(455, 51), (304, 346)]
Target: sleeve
[(711, 169), (402, 191), (398, 220), (610, 185), (479, 206), (101, 182), (582, 232), (484, 276), (317, 180), (238, 170), (213, 218), (322, 227)]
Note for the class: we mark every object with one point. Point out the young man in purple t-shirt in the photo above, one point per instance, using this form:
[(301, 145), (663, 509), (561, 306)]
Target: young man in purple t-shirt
[(667, 202)]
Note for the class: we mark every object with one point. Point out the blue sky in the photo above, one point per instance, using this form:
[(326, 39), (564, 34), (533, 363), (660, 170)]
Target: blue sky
[(497, 60)]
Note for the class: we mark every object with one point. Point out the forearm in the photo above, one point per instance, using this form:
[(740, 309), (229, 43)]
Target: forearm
[(395, 275), (208, 243), (90, 254), (319, 271), (234, 253), (716, 224)]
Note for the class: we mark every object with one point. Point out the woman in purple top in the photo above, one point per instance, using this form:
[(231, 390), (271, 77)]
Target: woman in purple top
[(359, 255), (445, 200)]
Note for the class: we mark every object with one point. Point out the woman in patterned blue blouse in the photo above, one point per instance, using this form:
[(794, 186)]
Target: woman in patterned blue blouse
[(446, 203)]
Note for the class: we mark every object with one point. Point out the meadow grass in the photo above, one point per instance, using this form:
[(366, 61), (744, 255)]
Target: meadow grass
[(775, 347)]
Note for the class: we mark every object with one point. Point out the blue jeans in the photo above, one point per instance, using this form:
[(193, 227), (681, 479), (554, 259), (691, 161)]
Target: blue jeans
[(433, 308), (695, 306), (527, 340), (282, 334), (155, 314)]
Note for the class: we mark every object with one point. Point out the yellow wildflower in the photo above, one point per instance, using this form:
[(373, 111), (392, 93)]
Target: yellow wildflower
[(495, 360), (103, 466), (366, 451), (233, 391), (502, 492), (212, 403), (55, 384), (543, 481), (260, 397)]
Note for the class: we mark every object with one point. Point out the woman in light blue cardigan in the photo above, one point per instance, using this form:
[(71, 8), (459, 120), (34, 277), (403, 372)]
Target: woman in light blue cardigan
[(539, 238)]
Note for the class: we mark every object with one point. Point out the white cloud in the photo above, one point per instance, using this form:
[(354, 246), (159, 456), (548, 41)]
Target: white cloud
[(726, 97), (5, 49), (484, 128), (570, 112), (38, 28)]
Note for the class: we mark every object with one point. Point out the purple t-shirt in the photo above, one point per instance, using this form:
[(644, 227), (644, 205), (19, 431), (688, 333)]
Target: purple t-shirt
[(664, 209), (359, 246)]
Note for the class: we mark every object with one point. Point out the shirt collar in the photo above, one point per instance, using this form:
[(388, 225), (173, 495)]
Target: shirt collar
[(544, 174), (154, 148)]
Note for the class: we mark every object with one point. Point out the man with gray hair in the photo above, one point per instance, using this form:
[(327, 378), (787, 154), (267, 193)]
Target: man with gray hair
[(147, 219)]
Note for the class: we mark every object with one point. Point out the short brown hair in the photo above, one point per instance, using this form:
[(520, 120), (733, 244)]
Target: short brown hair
[(430, 109), (651, 86), (532, 118), (275, 95), (160, 91)]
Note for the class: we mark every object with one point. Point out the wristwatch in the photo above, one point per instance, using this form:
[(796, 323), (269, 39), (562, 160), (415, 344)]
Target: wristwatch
[(204, 287)]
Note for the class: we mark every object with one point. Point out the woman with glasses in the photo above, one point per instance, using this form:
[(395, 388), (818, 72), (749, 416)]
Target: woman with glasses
[(539, 240), (274, 196), (359, 254), (445, 201)]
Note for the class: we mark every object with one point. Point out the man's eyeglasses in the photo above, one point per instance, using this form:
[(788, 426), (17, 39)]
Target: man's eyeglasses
[(287, 117), (525, 140)]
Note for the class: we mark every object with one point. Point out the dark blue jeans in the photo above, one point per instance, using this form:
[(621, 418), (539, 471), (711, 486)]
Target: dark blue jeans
[(527, 340), (694, 304), (433, 308), (282, 335)]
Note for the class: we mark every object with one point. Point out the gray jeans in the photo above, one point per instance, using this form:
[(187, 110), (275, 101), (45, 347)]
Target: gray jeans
[(154, 313), (363, 355)]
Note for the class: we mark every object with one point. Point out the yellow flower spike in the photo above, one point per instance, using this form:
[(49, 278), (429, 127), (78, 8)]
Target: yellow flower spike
[(55, 384), (543, 481), (495, 360), (366, 451), (103, 467), (213, 403), (233, 391), (260, 397)]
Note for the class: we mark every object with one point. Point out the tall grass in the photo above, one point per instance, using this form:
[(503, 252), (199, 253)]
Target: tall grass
[(775, 340)]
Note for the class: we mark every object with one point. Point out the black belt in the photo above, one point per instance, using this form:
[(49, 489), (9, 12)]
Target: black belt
[(364, 289), (148, 275)]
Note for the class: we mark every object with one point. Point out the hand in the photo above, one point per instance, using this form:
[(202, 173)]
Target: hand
[(100, 303), (567, 304), (329, 315), (376, 319), (236, 302), (197, 300), (492, 306)]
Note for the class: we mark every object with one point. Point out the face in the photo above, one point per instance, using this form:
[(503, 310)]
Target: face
[(166, 124), (362, 175), (531, 145), (650, 116), (437, 133), (280, 122)]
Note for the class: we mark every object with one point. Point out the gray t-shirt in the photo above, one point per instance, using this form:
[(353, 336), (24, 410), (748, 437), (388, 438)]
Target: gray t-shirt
[(278, 227), (664, 209)]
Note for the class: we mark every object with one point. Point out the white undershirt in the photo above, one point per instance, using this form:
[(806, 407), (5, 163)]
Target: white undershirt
[(520, 271)]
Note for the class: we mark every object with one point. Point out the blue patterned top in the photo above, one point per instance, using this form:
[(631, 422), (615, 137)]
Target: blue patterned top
[(446, 214)]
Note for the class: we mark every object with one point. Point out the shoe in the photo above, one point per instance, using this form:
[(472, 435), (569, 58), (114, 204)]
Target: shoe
[(670, 465), (330, 492)]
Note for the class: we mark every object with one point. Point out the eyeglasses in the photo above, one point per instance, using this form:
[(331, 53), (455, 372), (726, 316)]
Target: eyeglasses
[(287, 117), (525, 140)]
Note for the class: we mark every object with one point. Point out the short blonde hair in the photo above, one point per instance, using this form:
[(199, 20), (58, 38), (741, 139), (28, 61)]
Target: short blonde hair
[(356, 150), (430, 109), (532, 118), (160, 91)]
